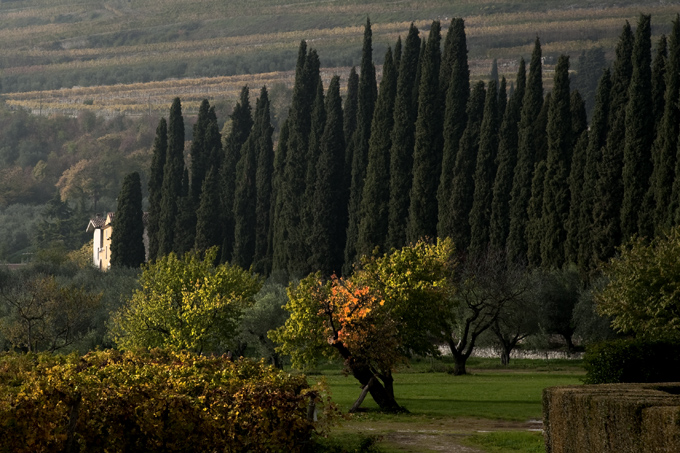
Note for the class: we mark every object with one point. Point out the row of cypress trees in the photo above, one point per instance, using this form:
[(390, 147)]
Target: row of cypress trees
[(429, 154)]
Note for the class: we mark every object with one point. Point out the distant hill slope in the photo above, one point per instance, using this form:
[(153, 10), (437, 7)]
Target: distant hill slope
[(54, 44)]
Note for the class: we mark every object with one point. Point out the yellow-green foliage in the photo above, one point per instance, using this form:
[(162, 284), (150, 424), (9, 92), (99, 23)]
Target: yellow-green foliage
[(643, 293), (612, 418), (185, 304), (157, 401)]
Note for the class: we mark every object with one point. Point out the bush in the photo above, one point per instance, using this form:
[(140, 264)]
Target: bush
[(155, 401), (632, 361)]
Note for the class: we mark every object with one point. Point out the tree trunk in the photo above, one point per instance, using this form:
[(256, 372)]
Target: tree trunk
[(364, 392), (384, 399), (459, 365), (505, 356)]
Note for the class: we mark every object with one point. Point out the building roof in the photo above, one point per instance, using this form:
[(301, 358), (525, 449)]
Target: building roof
[(99, 222)]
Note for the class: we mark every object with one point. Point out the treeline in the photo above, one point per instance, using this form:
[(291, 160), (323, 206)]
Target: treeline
[(429, 154)]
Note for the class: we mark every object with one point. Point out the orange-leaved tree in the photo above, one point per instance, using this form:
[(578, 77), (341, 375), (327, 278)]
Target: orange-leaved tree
[(390, 308)]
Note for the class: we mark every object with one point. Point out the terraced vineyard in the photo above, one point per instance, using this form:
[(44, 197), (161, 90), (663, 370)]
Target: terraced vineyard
[(134, 57)]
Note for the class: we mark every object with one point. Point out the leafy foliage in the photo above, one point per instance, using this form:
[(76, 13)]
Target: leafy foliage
[(632, 361), (185, 303), (156, 401), (643, 288)]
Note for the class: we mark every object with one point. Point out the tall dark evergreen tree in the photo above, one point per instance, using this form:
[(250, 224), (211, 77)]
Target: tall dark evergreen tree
[(606, 231), (427, 154), (526, 156), (589, 67), (245, 204), (328, 230), (667, 139), (579, 124), (457, 89), (556, 195), (507, 160), (208, 233), (200, 152), (659, 80), (368, 93), (485, 173), (637, 162), (185, 221), (276, 229), (597, 139), (263, 180), (463, 184), (502, 101), (241, 124), (535, 222), (403, 140), (318, 123), (289, 243), (160, 147), (493, 77), (173, 173), (127, 242), (376, 197)]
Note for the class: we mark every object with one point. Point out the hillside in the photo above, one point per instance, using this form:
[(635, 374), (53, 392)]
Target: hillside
[(52, 45)]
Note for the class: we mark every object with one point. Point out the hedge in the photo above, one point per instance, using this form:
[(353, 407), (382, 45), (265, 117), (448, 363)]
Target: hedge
[(153, 401), (621, 418), (630, 360)]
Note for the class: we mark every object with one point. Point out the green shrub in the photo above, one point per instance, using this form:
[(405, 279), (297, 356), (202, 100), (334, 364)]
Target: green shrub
[(152, 402), (632, 361)]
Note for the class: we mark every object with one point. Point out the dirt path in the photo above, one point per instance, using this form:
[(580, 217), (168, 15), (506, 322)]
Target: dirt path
[(434, 435)]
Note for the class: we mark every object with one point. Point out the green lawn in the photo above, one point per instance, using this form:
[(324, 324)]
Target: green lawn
[(446, 408)]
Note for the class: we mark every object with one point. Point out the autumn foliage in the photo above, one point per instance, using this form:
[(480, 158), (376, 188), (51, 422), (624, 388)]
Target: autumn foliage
[(392, 307), (156, 401)]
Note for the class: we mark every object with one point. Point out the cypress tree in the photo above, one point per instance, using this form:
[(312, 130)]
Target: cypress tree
[(556, 195), (403, 140), (127, 243), (368, 92), (318, 122), (200, 153), (376, 197), (263, 180), (502, 100), (290, 249), (666, 144), (457, 91), (397, 56), (455, 51), (276, 230), (160, 147), (245, 202), (241, 125), (535, 221), (485, 173), (637, 163), (185, 222), (427, 154), (526, 156), (606, 230), (463, 184), (213, 142), (576, 183), (579, 124), (493, 77), (659, 81), (173, 173), (328, 231), (507, 160), (351, 107), (597, 138), (207, 232)]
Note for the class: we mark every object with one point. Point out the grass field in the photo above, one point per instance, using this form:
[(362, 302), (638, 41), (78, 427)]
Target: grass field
[(491, 409), (194, 47)]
